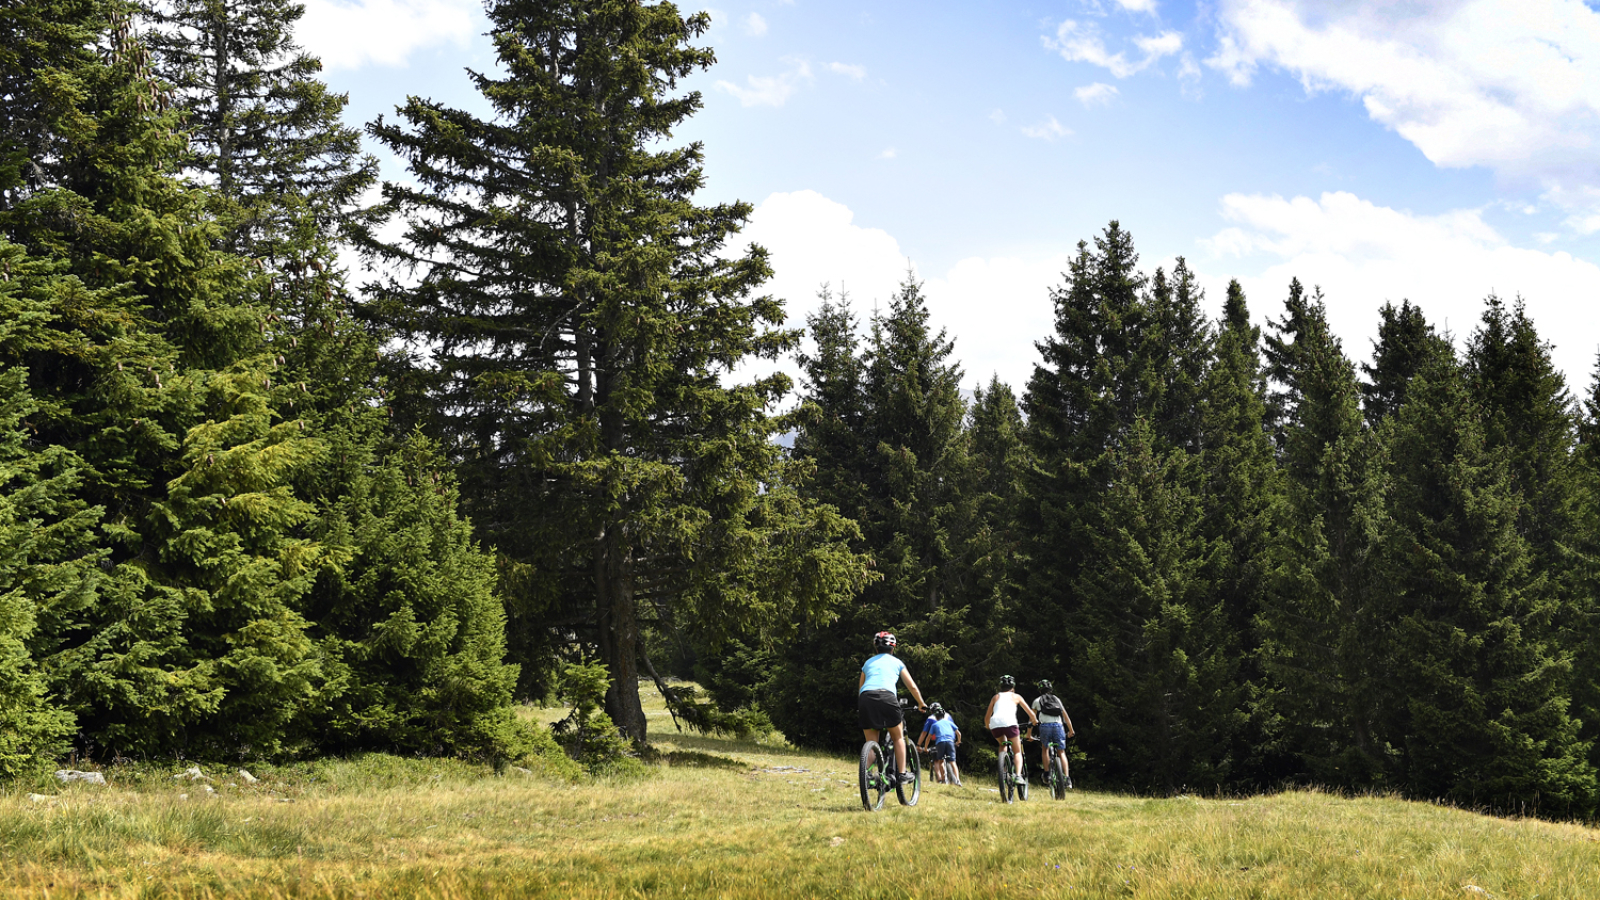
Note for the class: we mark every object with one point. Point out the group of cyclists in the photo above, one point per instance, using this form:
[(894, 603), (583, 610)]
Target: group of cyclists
[(878, 707)]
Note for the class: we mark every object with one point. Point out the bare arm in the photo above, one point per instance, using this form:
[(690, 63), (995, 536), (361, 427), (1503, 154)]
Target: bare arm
[(989, 713), (1068, 719), (860, 681), (1027, 709)]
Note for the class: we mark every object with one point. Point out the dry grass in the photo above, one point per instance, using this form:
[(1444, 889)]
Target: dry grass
[(747, 820)]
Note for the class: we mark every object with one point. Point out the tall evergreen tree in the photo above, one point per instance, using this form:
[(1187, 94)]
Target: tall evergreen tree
[(1486, 717), (1405, 343), (906, 460), (1325, 630), (155, 373), (1241, 494), (579, 321), (1159, 663), (262, 128)]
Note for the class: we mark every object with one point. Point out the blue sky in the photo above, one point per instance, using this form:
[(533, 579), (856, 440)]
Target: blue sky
[(1385, 151)]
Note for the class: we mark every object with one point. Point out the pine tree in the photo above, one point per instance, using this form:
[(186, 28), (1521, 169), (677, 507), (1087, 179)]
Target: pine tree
[(155, 374), (1405, 342), (1241, 495), (1325, 630), (259, 122), (1086, 392), (49, 564), (1158, 672), (906, 459), (579, 321), (1486, 692), (1177, 351)]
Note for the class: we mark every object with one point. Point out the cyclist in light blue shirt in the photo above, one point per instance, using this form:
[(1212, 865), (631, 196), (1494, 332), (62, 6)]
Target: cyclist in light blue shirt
[(877, 706), (940, 730)]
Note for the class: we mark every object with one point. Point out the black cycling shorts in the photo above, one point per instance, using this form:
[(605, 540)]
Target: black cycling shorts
[(879, 710)]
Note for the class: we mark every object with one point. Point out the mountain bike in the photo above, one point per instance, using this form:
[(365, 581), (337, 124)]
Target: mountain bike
[(1056, 778), (878, 771), (1009, 786)]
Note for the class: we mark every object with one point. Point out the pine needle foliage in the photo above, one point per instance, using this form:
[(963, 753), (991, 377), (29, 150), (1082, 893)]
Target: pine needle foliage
[(580, 327)]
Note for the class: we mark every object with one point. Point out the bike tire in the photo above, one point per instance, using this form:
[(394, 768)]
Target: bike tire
[(1022, 786), (872, 784), (1058, 776), (914, 789), (1007, 787)]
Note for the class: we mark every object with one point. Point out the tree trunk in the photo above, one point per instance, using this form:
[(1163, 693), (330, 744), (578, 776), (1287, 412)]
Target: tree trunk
[(619, 630)]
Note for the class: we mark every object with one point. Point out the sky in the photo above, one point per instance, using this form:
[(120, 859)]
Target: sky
[(1382, 150)]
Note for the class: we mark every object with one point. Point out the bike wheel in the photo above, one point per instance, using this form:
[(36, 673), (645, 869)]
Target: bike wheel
[(1007, 787), (1022, 786), (873, 786), (908, 793), (1058, 776)]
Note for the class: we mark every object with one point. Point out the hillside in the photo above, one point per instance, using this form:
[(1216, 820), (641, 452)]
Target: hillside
[(732, 819)]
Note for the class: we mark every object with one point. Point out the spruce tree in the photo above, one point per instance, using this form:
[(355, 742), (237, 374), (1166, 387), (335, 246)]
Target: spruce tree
[(1157, 676), (1241, 494), (1405, 342), (906, 460), (154, 372), (262, 128), (579, 322), (1486, 718), (1326, 639), (1087, 390)]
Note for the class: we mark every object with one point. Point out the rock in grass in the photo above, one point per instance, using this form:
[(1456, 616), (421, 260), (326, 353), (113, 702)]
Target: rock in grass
[(248, 778), (192, 773), (40, 798), (67, 776)]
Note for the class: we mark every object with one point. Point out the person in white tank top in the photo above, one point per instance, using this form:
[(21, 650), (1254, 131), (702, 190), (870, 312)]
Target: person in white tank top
[(1002, 719)]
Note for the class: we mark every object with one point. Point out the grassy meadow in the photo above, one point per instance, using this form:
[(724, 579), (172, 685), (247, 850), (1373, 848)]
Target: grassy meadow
[(730, 819)]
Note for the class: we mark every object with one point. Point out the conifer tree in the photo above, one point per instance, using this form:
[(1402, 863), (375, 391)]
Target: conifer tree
[(579, 321), (1158, 666), (908, 456), (1486, 718), (1177, 351), (1087, 390), (1241, 494), (49, 564), (261, 126), (154, 373), (1405, 342), (1325, 630)]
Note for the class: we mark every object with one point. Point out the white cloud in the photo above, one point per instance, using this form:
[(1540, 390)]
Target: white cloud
[(1097, 94), (1082, 42), (888, 153), (1514, 87), (1362, 254), (998, 117), (1048, 130), (384, 32), (994, 308), (855, 72), (755, 25), (769, 90), (1144, 6)]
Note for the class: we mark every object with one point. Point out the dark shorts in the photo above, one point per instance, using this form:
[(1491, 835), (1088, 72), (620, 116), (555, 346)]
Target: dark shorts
[(944, 750), (878, 710), (1006, 733)]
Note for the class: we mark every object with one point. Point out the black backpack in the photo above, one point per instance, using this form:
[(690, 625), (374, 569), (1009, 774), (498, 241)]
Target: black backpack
[(1050, 705)]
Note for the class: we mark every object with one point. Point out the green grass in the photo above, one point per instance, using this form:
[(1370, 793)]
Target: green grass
[(727, 819)]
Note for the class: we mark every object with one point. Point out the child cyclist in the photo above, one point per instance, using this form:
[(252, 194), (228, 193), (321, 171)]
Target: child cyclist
[(940, 730), (877, 707), (1002, 720), (1054, 725)]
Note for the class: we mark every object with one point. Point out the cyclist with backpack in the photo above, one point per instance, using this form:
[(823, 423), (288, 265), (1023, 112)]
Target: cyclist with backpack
[(1001, 717), (877, 706), (1054, 725)]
